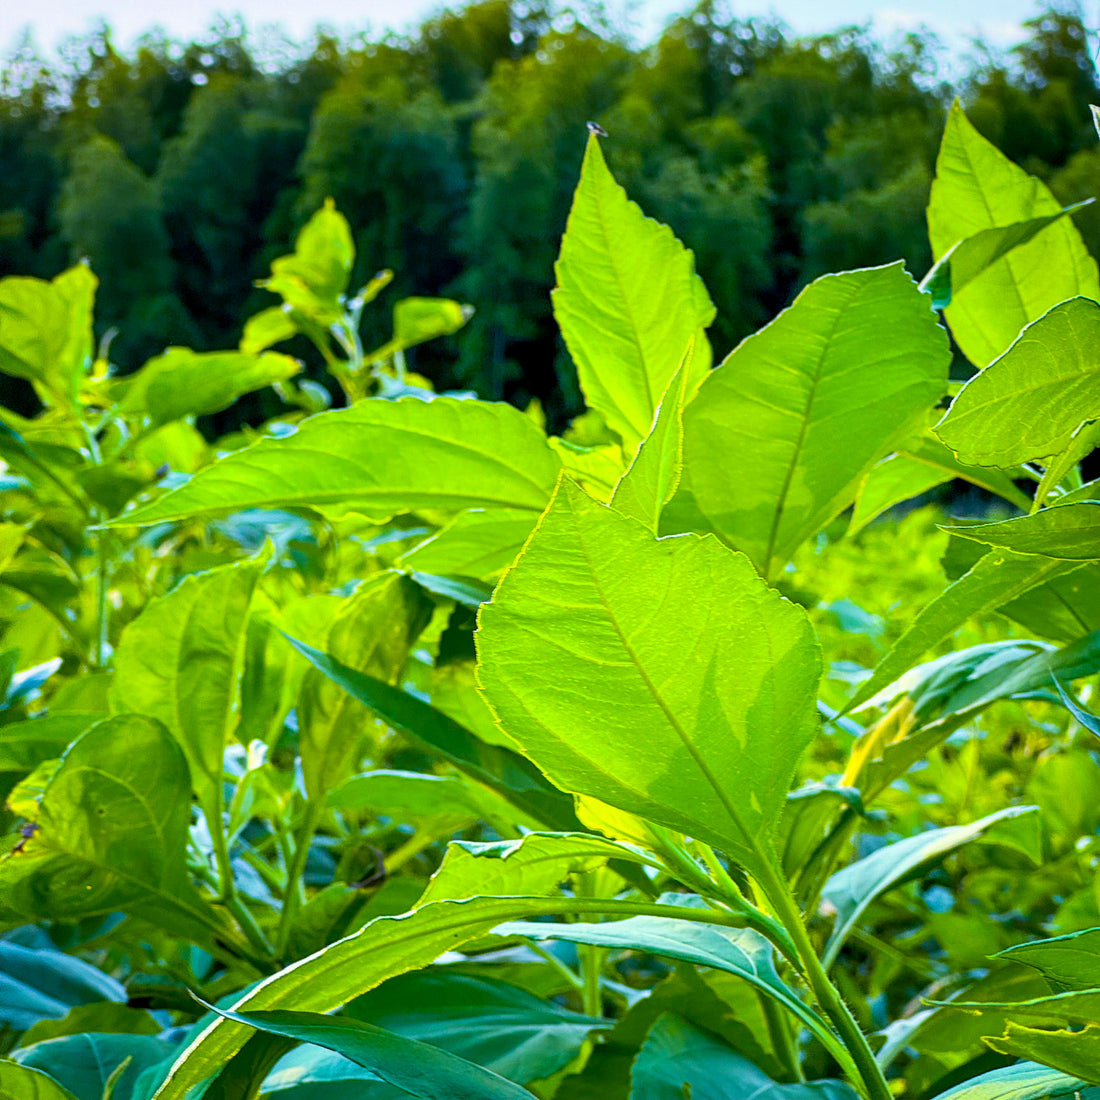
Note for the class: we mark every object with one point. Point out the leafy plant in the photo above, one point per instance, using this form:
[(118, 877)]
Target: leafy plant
[(441, 757)]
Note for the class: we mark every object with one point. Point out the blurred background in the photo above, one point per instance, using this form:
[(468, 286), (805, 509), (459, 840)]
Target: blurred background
[(181, 160)]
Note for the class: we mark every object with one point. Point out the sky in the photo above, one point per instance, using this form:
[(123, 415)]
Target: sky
[(51, 21)]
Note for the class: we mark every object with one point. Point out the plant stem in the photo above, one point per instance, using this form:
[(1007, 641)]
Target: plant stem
[(294, 891), (102, 604), (566, 972)]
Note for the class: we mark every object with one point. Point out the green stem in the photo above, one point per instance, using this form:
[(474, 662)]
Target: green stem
[(247, 922), (292, 896), (783, 1041), (102, 604), (549, 956)]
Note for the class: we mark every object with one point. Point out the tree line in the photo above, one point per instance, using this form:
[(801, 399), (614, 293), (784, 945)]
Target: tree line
[(181, 170)]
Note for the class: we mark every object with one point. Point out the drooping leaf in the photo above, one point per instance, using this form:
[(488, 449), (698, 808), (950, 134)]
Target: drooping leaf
[(418, 1068), (180, 662), (468, 454), (1028, 404), (477, 543), (1072, 960), (654, 675), (628, 301), (854, 887), (977, 188), (1075, 1053), (1090, 721), (765, 463), (489, 1022), (1069, 532)]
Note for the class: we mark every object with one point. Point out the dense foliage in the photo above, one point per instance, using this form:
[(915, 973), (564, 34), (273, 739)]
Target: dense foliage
[(182, 171), (406, 749)]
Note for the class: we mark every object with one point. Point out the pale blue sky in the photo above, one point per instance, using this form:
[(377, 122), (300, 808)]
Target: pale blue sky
[(52, 20)]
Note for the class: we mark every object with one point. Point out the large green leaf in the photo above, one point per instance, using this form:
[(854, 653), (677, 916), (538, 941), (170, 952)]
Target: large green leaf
[(628, 301), (1030, 402), (497, 1025), (23, 1083), (779, 437), (46, 331), (1070, 532), (1024, 1081), (182, 382), (1076, 1053), (978, 188), (180, 662), (111, 834), (661, 676), (382, 457), (678, 1059), (418, 1068), (497, 767), (478, 543), (87, 1064), (1072, 960), (373, 634)]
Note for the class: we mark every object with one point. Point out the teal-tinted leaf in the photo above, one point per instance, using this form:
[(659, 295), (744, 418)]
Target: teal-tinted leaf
[(535, 864), (854, 887), (476, 543), (1090, 721), (23, 1083), (978, 188), (85, 1064), (182, 382), (628, 301), (180, 662), (965, 261), (678, 1060), (651, 481), (46, 331), (499, 768), (771, 412), (654, 675), (468, 454), (1075, 1053), (418, 1068), (498, 1026), (1029, 403), (1024, 1081), (111, 834), (1072, 960), (1069, 532), (307, 1065)]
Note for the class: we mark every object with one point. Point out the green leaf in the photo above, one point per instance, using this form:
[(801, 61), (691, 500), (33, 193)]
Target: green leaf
[(965, 261), (22, 1083), (182, 382), (1069, 532), (268, 327), (498, 1026), (739, 951), (499, 768), (478, 543), (854, 887), (25, 745), (978, 188), (416, 320), (1090, 721), (106, 1017), (1076, 1053), (535, 864), (627, 301), (372, 633), (995, 580), (86, 1064), (46, 332), (418, 1068), (111, 834), (1024, 1081), (668, 709), (651, 481), (180, 662), (469, 454), (771, 412), (678, 1059), (1072, 960), (1076, 1007), (1028, 404), (409, 796)]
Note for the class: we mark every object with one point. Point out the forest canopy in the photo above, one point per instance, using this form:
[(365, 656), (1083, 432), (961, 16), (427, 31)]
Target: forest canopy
[(181, 170)]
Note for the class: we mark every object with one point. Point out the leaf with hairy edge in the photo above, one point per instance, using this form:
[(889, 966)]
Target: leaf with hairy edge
[(497, 767), (996, 579), (627, 300), (977, 188), (1024, 1081), (180, 662), (854, 887), (1030, 402), (766, 462), (1076, 1053), (1072, 960), (381, 457), (660, 676), (1069, 532)]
